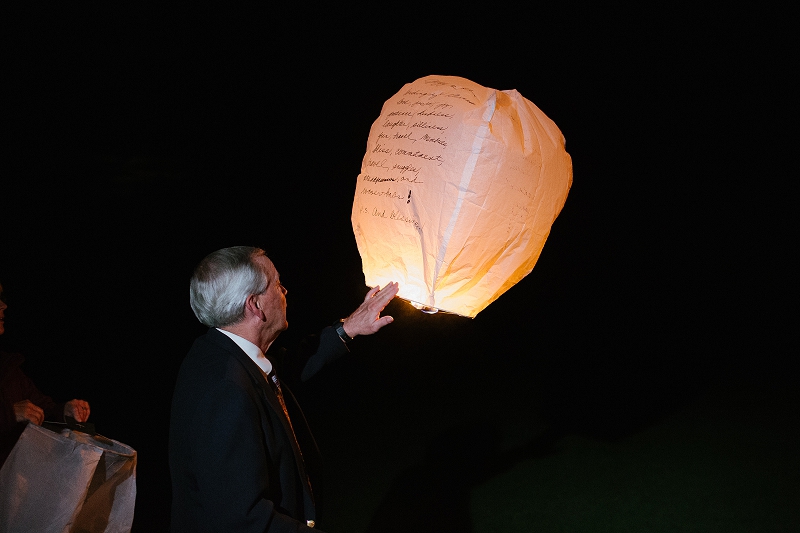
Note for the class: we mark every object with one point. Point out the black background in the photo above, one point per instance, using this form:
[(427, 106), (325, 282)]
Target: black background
[(138, 140)]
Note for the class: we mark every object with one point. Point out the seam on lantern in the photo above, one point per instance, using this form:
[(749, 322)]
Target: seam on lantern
[(466, 177)]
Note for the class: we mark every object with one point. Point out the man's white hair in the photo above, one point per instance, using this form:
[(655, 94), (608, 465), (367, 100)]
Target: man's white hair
[(222, 282)]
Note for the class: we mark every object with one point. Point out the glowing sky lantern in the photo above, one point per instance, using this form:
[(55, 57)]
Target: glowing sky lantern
[(457, 193)]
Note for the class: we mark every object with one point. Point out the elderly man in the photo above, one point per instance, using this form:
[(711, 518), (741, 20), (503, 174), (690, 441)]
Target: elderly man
[(242, 458), (22, 403)]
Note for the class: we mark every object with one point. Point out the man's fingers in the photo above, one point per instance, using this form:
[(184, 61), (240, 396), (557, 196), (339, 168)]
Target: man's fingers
[(34, 414), (27, 410), (383, 321), (388, 292), (366, 319), (77, 409)]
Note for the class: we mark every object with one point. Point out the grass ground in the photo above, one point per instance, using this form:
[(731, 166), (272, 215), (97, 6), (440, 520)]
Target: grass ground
[(726, 462)]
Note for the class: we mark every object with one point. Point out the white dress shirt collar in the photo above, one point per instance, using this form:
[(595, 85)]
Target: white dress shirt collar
[(252, 351)]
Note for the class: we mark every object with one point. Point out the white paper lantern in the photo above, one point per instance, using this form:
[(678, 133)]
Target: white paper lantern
[(457, 193)]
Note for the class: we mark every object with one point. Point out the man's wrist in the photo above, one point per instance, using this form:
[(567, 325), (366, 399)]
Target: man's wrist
[(339, 327)]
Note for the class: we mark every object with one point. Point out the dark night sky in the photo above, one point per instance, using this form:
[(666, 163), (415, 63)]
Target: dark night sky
[(139, 141)]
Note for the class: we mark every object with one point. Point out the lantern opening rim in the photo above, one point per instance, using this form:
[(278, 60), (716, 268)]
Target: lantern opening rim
[(424, 308), (430, 310)]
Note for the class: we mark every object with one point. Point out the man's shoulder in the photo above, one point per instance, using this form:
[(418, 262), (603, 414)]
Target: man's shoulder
[(213, 339), (10, 361), (211, 346), (216, 356)]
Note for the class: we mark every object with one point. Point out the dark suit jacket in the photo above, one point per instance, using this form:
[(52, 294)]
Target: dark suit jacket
[(234, 463)]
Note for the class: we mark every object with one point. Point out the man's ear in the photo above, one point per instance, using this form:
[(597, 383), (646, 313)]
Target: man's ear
[(252, 306)]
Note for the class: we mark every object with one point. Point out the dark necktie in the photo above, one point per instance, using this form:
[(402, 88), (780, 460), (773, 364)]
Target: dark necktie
[(276, 386)]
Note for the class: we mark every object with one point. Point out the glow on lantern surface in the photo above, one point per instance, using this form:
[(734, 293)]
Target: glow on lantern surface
[(457, 193)]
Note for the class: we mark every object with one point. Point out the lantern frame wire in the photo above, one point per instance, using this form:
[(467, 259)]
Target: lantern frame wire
[(424, 308)]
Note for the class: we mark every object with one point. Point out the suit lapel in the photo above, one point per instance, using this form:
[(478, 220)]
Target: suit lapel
[(270, 398), (253, 371)]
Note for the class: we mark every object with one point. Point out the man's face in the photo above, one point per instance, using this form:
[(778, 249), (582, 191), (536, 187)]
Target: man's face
[(3, 308), (273, 300)]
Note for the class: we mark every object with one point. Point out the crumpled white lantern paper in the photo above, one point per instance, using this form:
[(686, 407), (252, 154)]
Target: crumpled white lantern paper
[(457, 193)]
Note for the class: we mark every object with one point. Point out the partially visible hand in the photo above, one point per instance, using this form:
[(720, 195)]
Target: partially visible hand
[(367, 319), (77, 409), (27, 410)]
